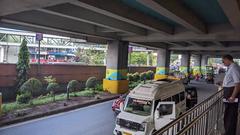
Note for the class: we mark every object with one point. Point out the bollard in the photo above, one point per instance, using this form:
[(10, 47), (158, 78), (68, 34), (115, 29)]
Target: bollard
[(0, 103)]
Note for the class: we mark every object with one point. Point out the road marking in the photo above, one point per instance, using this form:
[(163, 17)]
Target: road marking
[(53, 116)]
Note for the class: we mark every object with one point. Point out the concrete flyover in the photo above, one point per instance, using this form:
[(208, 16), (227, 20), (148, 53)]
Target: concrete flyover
[(205, 28)]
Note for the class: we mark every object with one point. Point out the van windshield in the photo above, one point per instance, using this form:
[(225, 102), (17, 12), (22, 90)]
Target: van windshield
[(138, 106)]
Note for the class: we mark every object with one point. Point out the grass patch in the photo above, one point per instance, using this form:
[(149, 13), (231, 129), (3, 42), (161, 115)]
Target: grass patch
[(41, 100)]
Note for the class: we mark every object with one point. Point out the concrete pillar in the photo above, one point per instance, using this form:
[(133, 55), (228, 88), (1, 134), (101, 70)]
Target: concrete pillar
[(197, 64), (163, 60), (204, 63), (1, 53), (148, 59), (117, 67), (185, 63)]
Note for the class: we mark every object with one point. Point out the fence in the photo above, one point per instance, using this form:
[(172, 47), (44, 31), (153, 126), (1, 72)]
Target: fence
[(203, 119)]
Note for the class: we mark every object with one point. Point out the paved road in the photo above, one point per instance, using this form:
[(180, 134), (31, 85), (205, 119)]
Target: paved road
[(204, 90), (93, 120)]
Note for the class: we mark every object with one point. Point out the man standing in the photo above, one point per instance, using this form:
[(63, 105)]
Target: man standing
[(231, 87)]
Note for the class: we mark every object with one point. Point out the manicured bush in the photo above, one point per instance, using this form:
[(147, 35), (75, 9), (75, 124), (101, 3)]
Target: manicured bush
[(130, 77), (133, 84), (149, 75), (136, 76), (91, 82), (53, 88), (143, 76), (24, 98), (73, 85), (99, 87), (33, 86)]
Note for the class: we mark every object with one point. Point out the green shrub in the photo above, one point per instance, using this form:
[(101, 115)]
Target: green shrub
[(143, 76), (22, 64), (73, 85), (50, 79), (33, 86), (91, 82), (52, 88), (130, 77), (99, 87), (149, 75), (136, 77), (23, 98), (132, 85)]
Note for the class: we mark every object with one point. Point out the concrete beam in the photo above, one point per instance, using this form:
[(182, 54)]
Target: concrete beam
[(35, 18), (116, 9), (143, 45), (232, 11), (197, 44), (193, 43), (100, 29), (174, 10), (219, 44), (72, 12), (216, 33), (8, 7), (176, 44), (53, 31), (208, 48)]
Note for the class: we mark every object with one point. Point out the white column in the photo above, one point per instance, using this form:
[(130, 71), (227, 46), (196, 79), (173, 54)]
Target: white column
[(1, 53)]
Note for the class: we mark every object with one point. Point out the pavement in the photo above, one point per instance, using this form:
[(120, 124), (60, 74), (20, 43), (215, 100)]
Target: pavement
[(93, 120)]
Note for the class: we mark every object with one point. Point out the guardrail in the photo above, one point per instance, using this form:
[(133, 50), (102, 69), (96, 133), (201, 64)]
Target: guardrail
[(202, 119)]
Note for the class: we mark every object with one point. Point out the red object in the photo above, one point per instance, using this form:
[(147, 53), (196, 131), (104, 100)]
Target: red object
[(197, 77), (117, 102)]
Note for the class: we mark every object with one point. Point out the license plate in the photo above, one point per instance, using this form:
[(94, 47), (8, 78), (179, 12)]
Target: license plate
[(125, 133)]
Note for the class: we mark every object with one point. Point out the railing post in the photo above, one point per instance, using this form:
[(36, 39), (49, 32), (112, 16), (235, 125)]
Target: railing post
[(0, 103), (206, 124)]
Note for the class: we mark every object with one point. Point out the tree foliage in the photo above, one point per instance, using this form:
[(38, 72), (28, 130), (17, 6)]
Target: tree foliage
[(50, 79), (90, 56), (22, 64), (138, 58)]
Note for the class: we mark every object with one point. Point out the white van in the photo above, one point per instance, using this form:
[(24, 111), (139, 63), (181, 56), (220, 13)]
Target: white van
[(149, 107)]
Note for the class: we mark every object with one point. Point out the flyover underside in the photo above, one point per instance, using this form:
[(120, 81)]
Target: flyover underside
[(156, 24)]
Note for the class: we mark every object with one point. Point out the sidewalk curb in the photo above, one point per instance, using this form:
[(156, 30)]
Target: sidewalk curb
[(26, 118)]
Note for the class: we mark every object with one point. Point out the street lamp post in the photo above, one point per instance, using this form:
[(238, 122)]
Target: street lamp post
[(39, 37)]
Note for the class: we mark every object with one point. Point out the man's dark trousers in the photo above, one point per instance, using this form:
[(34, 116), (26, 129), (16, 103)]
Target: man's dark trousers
[(230, 114)]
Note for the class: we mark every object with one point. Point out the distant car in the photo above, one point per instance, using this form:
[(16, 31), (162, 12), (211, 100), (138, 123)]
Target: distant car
[(192, 96), (117, 102)]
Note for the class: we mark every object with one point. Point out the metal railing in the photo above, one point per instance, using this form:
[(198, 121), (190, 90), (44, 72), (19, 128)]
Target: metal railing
[(202, 119)]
